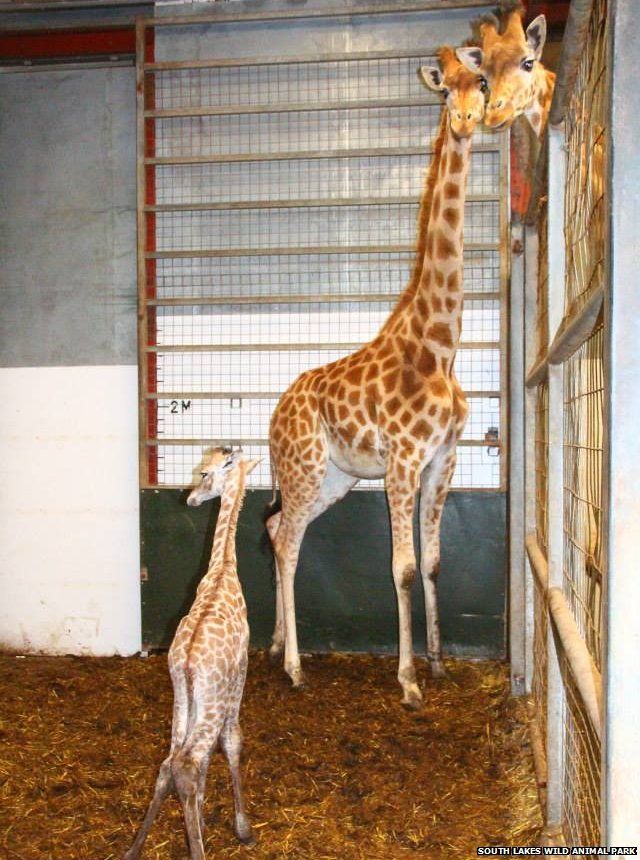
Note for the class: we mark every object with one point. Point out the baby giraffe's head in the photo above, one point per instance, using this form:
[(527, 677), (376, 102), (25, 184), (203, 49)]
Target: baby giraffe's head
[(509, 58), (463, 91), (218, 464)]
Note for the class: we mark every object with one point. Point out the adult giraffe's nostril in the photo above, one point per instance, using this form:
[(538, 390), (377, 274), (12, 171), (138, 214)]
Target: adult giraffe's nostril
[(469, 115)]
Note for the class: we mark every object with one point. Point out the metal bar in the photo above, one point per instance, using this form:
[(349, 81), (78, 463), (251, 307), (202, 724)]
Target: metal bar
[(575, 330), (537, 373), (585, 673), (289, 107), (143, 361), (317, 298), (538, 561), (311, 154), (573, 44), (328, 10), (23, 68), (311, 203), (247, 440), (517, 567), (555, 485), (256, 395), (312, 249), (177, 65), (621, 752), (287, 347)]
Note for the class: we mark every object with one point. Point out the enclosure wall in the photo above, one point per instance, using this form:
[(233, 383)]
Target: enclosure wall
[(68, 375)]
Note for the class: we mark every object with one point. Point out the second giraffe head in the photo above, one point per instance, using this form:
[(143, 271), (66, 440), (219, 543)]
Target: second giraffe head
[(463, 91), (218, 464)]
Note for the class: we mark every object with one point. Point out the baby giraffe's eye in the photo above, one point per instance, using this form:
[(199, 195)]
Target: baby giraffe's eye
[(203, 474), (484, 84), (527, 65), (445, 92)]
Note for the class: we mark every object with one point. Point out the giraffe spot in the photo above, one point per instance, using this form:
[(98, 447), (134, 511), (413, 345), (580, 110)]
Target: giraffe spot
[(451, 190), (406, 417), (416, 327), (389, 362), (370, 402), (342, 412), (439, 278), (453, 281), (440, 333), (355, 376), (445, 417), (421, 306), (421, 428), (393, 405), (372, 371), (393, 427), (439, 388), (331, 412), (430, 241), (444, 246), (450, 304), (451, 216), (354, 398), (366, 443), (433, 409), (426, 363), (419, 403), (436, 304), (455, 162), (332, 390), (390, 381), (410, 382)]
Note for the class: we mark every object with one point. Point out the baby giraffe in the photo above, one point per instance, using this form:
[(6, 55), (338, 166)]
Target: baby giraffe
[(208, 666)]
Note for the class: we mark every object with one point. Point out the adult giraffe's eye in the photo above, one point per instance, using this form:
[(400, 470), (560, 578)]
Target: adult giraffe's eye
[(484, 84), (527, 65), (445, 92)]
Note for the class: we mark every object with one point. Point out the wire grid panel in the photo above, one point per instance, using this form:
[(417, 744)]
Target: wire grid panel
[(360, 176), (583, 522), (286, 83), (542, 292), (540, 658), (307, 227), (582, 768), (345, 274), (541, 443), (586, 137)]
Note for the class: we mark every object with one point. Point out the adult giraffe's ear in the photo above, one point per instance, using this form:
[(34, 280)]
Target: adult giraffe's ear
[(431, 77), (536, 35), (471, 58)]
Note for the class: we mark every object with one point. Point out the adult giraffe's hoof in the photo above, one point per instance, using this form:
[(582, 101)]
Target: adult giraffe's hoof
[(436, 667), (412, 698), (275, 653), (298, 680)]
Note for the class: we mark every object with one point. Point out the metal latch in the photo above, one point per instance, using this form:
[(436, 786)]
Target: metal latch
[(492, 438)]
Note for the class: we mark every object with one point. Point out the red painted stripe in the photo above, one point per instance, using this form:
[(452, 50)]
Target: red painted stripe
[(55, 45)]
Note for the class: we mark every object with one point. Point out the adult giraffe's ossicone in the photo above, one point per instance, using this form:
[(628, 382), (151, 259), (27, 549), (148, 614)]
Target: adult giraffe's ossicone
[(394, 408)]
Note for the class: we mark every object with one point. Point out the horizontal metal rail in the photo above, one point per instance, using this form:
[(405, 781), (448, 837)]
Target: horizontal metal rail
[(300, 155), (343, 10), (313, 250), (258, 395), (318, 298), (183, 442), (288, 107), (311, 203), (284, 60), (288, 347)]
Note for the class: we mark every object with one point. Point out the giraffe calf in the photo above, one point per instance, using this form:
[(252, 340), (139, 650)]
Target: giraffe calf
[(208, 666)]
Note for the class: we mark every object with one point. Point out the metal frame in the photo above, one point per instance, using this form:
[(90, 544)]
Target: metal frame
[(147, 68)]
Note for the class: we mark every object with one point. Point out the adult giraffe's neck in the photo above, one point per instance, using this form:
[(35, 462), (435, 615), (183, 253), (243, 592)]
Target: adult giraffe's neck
[(224, 540), (434, 315), (538, 112)]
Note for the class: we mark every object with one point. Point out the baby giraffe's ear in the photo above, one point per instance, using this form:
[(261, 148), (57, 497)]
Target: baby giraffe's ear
[(536, 35), (431, 77), (471, 58), (249, 465)]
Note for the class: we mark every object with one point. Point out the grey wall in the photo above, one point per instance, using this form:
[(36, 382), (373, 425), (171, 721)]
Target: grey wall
[(67, 218)]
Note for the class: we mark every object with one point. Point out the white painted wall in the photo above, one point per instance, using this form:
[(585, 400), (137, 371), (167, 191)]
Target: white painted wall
[(69, 522)]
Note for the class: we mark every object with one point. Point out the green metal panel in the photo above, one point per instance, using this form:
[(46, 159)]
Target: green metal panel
[(344, 590)]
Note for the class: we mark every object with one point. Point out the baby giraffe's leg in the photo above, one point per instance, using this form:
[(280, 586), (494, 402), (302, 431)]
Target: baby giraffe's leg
[(186, 769), (231, 743), (202, 781), (164, 784)]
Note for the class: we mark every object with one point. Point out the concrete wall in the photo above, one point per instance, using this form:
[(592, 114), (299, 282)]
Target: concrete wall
[(69, 563)]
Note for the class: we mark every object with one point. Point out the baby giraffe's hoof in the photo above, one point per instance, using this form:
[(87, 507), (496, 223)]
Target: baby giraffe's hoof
[(244, 833), (298, 680), (412, 699), (275, 654), (437, 669)]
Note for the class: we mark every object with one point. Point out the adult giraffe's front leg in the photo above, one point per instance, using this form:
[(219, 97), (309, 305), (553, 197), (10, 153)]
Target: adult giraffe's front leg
[(434, 486), (401, 496)]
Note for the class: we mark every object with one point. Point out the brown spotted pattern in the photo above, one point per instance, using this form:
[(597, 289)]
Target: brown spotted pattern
[(208, 666)]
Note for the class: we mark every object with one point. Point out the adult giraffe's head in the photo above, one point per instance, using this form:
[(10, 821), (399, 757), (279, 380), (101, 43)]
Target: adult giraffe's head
[(509, 58), (463, 91)]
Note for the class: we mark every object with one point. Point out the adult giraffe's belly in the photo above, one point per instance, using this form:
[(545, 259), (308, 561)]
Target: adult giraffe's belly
[(359, 461)]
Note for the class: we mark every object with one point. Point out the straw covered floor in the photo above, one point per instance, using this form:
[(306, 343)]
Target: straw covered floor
[(338, 770)]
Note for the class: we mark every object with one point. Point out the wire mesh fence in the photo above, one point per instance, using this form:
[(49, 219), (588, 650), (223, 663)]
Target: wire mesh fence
[(280, 203)]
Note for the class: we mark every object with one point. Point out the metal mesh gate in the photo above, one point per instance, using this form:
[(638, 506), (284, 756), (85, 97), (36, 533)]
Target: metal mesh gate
[(566, 548), (278, 203)]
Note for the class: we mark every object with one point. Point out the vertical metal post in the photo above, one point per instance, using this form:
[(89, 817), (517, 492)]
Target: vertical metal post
[(517, 586), (530, 344), (621, 741), (141, 245), (556, 255)]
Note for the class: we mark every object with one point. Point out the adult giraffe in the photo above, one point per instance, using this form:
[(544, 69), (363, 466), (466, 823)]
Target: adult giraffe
[(394, 408), (509, 58)]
